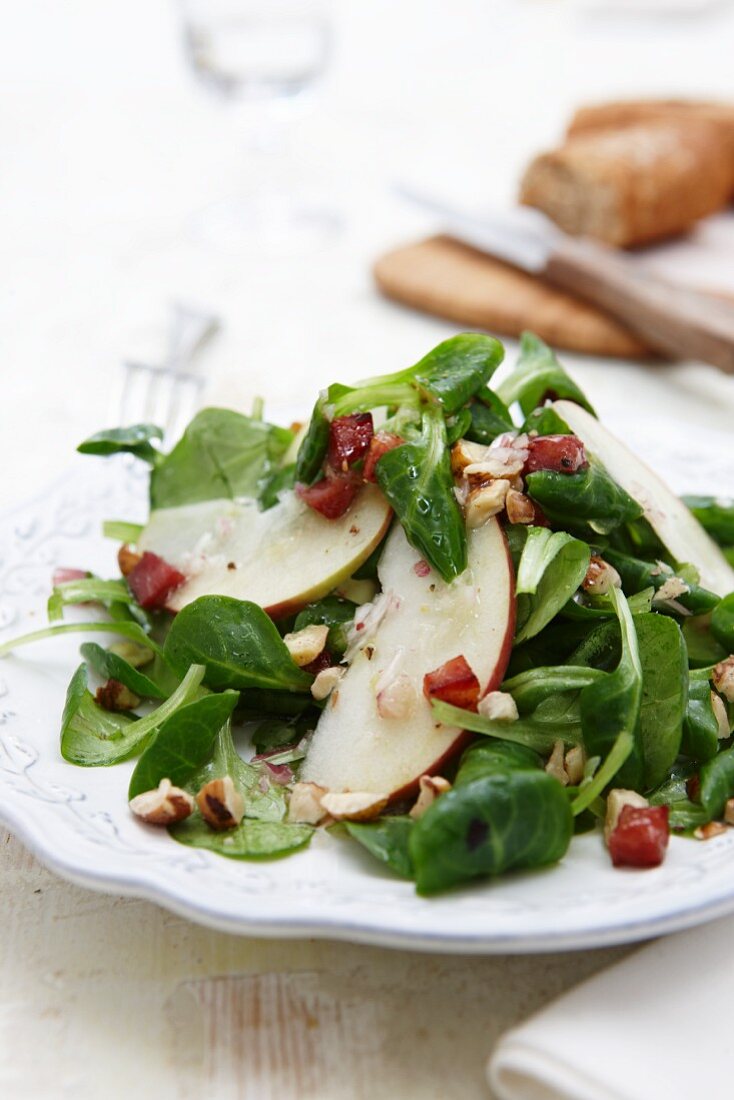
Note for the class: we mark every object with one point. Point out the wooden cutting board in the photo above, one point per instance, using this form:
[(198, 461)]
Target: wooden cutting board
[(443, 277)]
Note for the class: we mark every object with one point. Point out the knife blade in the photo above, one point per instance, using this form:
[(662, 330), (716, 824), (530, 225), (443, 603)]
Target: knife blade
[(676, 321)]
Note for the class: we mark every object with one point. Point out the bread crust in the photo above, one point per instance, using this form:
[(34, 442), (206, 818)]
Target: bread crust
[(632, 184)]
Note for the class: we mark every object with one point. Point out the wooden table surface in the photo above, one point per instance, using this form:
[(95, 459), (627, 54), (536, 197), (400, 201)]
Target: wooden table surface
[(103, 996)]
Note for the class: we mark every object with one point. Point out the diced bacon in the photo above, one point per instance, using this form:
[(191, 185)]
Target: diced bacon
[(563, 453), (153, 580), (380, 444), (332, 495), (640, 837), (454, 682), (349, 439), (62, 575)]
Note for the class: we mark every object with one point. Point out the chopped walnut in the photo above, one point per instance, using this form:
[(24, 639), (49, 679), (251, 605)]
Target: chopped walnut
[(306, 645), (429, 787), (719, 708), (555, 764), (114, 695), (398, 698), (486, 502), (575, 763), (163, 806), (221, 804), (729, 811), (499, 706), (305, 806), (723, 678), (520, 508), (464, 453), (135, 654), (616, 800), (353, 805), (326, 681), (712, 829), (671, 589), (600, 577), (127, 559)]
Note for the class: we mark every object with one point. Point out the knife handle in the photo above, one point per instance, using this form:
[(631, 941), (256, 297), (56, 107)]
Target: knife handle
[(675, 321)]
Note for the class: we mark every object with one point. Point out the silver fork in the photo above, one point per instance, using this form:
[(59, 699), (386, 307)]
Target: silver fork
[(169, 394)]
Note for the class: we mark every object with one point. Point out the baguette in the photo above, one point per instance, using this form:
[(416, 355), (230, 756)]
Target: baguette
[(633, 112), (634, 184)]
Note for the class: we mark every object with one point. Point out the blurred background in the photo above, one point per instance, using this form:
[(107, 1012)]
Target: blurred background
[(129, 129)]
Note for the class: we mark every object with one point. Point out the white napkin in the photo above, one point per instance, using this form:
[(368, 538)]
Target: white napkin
[(659, 1024)]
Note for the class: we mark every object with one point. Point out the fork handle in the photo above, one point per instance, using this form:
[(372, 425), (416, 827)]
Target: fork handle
[(677, 322), (190, 329)]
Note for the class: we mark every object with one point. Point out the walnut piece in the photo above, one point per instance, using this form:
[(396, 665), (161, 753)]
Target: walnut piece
[(113, 695), (353, 805), (729, 811), (306, 645), (556, 763), (326, 681), (520, 508), (711, 829), (486, 502), (163, 806), (574, 764), (464, 453), (221, 804), (127, 559), (723, 678), (499, 706), (600, 577), (616, 800), (429, 787), (305, 804), (719, 708)]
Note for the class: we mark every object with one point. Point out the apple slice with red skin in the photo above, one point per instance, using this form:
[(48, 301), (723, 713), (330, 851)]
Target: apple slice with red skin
[(666, 513), (280, 559), (415, 626)]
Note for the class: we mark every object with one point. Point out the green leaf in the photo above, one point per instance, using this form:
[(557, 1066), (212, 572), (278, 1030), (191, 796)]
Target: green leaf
[(610, 711), (546, 421), (274, 484), (135, 439), (110, 666), (554, 718), (664, 664), (722, 623), (457, 369), (183, 744), (637, 575), (122, 531), (387, 840), (315, 442), (537, 376), (551, 568), (700, 727), (489, 417), (87, 590), (715, 515), (222, 454), (504, 812), (93, 737), (703, 647), (249, 840), (531, 688), (334, 612), (125, 627), (587, 497), (416, 480), (236, 642)]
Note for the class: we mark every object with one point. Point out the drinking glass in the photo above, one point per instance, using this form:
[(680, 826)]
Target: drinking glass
[(265, 58)]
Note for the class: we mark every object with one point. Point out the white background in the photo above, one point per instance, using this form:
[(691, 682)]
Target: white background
[(107, 145)]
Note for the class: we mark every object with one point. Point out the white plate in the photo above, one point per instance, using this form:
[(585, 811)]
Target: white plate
[(77, 822)]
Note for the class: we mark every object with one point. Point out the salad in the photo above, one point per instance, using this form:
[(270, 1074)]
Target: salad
[(454, 623)]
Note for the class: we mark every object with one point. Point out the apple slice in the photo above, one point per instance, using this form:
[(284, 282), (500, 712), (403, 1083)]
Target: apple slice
[(377, 732), (666, 513), (280, 559)]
